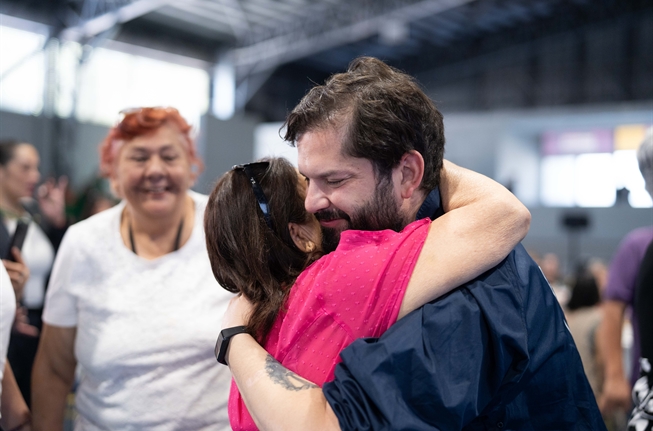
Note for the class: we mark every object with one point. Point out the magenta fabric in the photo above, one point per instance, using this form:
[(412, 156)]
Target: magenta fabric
[(354, 292), (622, 278)]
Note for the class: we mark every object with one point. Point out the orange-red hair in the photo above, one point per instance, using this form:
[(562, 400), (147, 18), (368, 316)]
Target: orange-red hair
[(139, 122)]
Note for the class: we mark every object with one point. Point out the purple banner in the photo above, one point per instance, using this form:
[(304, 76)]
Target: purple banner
[(577, 142)]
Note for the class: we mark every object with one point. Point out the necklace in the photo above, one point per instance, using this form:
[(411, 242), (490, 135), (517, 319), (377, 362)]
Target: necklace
[(177, 239)]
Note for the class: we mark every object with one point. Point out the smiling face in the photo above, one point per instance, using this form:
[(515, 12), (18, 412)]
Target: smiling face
[(21, 174), (153, 172), (344, 192)]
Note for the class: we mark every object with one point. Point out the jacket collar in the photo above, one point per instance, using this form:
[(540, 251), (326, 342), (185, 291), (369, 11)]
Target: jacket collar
[(431, 207)]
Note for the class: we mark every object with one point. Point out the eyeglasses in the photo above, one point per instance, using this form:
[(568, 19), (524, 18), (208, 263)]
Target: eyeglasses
[(250, 170)]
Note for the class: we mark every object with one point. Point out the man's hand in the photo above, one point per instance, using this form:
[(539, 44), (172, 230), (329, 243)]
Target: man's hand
[(616, 395), (18, 272), (238, 312), (52, 200)]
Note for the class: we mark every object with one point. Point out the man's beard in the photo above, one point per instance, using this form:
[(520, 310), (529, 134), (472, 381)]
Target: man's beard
[(381, 212)]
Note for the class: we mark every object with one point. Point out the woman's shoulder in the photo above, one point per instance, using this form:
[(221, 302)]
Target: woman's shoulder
[(355, 238), (373, 245), (98, 224)]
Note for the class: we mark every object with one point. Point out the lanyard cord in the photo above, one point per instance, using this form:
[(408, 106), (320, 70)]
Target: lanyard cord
[(177, 239)]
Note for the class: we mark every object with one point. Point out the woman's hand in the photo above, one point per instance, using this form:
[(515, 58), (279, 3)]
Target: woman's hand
[(52, 200), (18, 272), (237, 313), (22, 325)]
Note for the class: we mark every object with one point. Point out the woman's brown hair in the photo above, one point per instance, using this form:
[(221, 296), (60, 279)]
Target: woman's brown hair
[(247, 256)]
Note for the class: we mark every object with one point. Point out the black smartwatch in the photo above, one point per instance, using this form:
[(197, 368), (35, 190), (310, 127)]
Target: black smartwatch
[(223, 342)]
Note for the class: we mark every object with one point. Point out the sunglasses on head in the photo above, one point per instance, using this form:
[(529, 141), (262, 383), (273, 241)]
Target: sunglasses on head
[(251, 170)]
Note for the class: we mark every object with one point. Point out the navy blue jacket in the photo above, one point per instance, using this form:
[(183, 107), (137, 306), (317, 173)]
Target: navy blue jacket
[(494, 354)]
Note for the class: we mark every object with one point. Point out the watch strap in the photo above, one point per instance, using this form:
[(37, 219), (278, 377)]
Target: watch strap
[(223, 342)]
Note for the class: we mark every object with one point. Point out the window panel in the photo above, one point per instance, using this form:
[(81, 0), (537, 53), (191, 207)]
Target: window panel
[(112, 81), (594, 184), (21, 90), (557, 181)]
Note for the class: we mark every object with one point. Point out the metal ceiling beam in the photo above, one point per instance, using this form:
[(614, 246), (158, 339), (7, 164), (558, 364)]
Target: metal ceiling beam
[(228, 12), (236, 8), (278, 11), (299, 43), (183, 18), (202, 15), (92, 27)]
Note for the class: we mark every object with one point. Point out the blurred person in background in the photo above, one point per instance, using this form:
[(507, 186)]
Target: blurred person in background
[(618, 296), (642, 415), (19, 177), (132, 298), (14, 413), (599, 270), (584, 315), (95, 197), (550, 265)]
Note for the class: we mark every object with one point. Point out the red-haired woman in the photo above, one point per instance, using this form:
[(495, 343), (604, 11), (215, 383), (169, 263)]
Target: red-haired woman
[(132, 298)]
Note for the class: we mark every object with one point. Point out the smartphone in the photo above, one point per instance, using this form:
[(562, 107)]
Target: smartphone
[(17, 239)]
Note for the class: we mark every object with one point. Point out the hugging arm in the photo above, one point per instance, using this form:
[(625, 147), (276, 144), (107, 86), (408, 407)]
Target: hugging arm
[(277, 398), (483, 222)]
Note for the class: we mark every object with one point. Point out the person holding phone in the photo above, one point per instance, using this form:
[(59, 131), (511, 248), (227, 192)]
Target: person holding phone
[(13, 259), (14, 414), (28, 264)]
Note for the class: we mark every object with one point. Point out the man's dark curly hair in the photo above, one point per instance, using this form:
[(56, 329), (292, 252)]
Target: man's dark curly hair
[(384, 113)]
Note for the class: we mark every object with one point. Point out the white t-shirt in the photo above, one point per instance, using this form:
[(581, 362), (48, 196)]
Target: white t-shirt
[(145, 329), (38, 255), (7, 313)]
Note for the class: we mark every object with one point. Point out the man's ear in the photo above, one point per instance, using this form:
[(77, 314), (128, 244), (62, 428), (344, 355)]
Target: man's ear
[(410, 173), (301, 236)]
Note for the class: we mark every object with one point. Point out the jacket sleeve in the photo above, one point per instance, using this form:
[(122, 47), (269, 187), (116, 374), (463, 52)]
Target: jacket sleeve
[(440, 366)]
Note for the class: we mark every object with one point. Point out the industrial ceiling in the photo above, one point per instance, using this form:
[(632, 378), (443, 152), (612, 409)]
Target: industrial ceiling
[(279, 48)]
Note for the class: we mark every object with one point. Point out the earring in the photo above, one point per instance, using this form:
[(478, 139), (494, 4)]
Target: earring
[(310, 246)]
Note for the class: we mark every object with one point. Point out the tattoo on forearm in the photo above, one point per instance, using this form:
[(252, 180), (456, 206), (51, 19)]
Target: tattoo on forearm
[(286, 378)]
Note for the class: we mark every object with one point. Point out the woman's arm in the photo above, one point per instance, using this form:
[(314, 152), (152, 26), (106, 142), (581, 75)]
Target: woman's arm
[(52, 377), (483, 222), (270, 391)]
